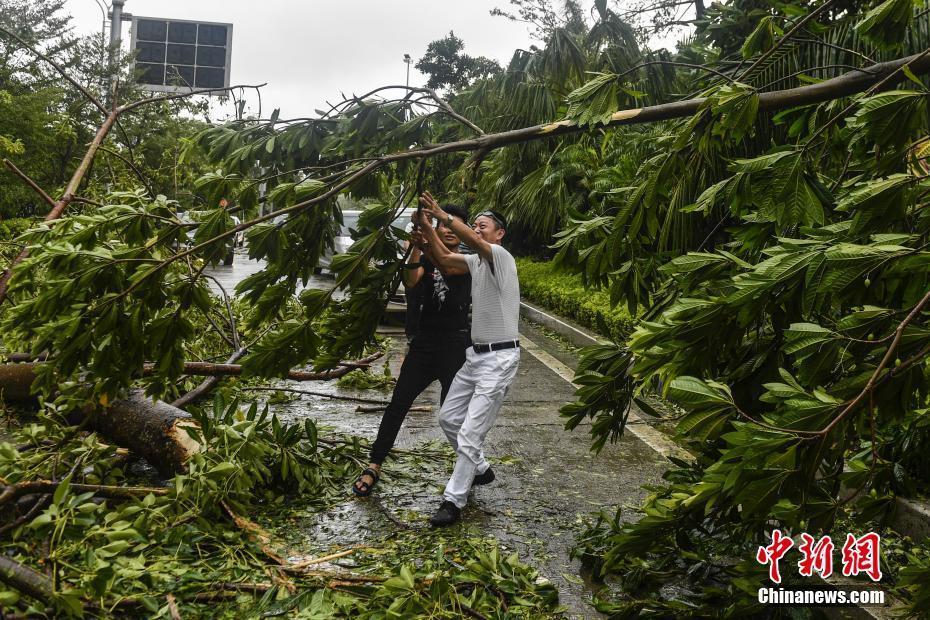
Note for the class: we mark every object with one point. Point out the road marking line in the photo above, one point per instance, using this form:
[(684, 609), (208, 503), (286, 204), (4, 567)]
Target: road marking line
[(645, 433)]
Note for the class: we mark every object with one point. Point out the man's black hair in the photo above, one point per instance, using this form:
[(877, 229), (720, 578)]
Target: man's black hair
[(457, 210)]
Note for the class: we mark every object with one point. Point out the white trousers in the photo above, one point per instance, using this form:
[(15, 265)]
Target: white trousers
[(469, 411)]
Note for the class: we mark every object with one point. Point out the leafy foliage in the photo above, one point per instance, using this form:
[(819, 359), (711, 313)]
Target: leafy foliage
[(120, 557)]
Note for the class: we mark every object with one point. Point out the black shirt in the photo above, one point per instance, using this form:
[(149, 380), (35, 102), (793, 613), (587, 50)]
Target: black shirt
[(438, 303)]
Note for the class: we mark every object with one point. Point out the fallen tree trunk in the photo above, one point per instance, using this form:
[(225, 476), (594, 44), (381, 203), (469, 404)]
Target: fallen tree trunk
[(16, 382), (152, 430)]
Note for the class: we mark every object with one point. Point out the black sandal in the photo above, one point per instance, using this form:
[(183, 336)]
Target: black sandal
[(366, 488)]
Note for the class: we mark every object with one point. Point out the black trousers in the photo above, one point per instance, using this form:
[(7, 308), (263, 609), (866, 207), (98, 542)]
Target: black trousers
[(431, 357)]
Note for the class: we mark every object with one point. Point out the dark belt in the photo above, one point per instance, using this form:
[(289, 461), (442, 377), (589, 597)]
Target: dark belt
[(496, 346)]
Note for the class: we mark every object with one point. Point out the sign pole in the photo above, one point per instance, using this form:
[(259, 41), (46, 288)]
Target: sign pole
[(116, 33)]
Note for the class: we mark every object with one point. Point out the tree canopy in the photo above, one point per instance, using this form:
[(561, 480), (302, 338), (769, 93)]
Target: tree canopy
[(448, 67)]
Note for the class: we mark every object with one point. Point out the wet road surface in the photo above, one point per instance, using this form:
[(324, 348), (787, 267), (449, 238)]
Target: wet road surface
[(547, 477)]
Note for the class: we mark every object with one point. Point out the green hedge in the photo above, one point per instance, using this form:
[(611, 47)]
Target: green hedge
[(564, 294), (13, 227)]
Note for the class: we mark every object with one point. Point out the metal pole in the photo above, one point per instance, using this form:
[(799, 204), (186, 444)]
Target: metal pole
[(407, 61), (116, 23), (116, 34)]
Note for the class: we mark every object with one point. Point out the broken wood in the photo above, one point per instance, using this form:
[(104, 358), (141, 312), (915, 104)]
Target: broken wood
[(256, 534), (327, 558), (173, 607), (207, 385), (152, 430), (16, 382)]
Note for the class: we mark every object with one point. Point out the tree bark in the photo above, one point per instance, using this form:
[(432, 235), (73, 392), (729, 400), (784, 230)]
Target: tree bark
[(16, 381), (152, 430), (25, 580)]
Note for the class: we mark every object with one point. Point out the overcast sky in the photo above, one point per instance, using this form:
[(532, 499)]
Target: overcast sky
[(308, 51)]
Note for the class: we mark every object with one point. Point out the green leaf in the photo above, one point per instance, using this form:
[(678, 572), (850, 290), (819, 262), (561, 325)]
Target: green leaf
[(886, 25), (62, 490), (761, 39), (694, 392)]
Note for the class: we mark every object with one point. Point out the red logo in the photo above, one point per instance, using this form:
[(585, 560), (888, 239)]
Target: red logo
[(773, 553), (859, 555), (817, 557)]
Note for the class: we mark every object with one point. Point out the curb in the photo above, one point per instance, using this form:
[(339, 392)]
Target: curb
[(577, 335), (581, 337)]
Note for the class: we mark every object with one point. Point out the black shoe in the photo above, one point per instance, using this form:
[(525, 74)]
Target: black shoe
[(486, 478), (447, 514)]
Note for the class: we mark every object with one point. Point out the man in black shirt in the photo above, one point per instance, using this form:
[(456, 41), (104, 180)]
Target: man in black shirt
[(438, 332)]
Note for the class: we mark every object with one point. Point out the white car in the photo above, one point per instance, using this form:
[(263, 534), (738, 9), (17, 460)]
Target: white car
[(350, 222)]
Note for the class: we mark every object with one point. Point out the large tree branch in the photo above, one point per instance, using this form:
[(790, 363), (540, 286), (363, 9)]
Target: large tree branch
[(66, 198), (26, 580), (841, 86), (26, 179), (207, 385)]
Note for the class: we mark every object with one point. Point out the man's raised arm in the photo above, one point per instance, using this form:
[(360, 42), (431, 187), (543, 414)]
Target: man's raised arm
[(461, 229), (448, 262)]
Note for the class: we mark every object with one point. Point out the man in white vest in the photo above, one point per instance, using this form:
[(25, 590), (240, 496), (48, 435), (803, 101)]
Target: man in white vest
[(478, 389)]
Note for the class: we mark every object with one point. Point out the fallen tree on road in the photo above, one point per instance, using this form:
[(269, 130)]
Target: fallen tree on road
[(153, 430)]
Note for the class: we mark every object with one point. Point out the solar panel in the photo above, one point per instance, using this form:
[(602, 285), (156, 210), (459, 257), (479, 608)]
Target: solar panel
[(177, 55)]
